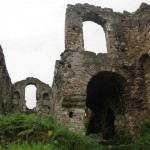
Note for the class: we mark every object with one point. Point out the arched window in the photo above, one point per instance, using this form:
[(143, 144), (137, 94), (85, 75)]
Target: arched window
[(46, 96), (30, 96), (94, 37), (16, 95)]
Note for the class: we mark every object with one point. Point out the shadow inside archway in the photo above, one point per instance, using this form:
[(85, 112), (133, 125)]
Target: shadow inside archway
[(104, 93)]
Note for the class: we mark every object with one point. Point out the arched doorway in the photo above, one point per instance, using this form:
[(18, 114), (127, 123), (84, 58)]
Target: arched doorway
[(94, 37), (30, 96), (104, 98)]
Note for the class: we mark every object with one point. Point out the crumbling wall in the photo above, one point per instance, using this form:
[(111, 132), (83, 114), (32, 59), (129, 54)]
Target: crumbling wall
[(78, 74), (127, 37), (5, 86), (43, 94)]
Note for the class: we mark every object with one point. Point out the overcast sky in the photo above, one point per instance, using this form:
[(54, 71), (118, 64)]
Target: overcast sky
[(32, 34)]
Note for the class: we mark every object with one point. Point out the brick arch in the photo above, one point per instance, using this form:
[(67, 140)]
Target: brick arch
[(94, 17), (103, 78), (41, 88)]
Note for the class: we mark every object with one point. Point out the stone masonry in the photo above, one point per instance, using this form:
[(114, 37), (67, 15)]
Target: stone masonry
[(115, 85), (5, 86), (43, 93)]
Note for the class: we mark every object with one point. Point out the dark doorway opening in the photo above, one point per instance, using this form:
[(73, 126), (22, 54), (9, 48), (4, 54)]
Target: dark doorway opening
[(108, 126), (104, 98)]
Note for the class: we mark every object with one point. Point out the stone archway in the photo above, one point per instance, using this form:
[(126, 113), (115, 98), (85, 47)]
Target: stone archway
[(76, 15), (104, 93), (100, 21), (43, 93)]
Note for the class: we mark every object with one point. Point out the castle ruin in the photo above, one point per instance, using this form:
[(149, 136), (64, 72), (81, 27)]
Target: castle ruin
[(115, 85)]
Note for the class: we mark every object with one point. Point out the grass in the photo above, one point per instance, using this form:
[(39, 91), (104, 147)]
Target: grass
[(27, 146)]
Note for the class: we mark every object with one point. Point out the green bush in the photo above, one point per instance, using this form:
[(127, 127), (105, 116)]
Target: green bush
[(25, 127), (65, 140), (143, 141), (145, 127), (26, 131)]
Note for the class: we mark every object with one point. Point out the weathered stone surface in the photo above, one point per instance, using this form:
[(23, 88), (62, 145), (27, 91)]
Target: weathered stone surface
[(115, 86), (128, 58), (5, 86), (43, 94)]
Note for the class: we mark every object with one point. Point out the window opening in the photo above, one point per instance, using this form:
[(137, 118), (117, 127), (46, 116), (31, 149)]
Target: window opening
[(46, 96), (70, 114), (30, 96), (16, 95), (94, 37)]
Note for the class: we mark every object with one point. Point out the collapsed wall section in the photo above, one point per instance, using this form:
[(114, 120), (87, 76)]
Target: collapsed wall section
[(5, 86), (43, 94)]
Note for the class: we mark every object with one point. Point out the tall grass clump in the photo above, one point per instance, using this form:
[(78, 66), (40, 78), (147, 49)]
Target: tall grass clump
[(33, 132), (25, 127)]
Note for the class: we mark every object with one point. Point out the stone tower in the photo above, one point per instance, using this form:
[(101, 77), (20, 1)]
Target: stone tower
[(115, 85)]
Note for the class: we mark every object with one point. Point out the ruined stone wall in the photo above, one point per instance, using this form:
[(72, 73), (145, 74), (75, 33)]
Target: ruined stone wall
[(115, 86), (43, 94), (127, 38), (12, 97), (5, 86)]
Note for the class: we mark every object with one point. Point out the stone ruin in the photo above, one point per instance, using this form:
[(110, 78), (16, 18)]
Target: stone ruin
[(43, 92), (115, 85)]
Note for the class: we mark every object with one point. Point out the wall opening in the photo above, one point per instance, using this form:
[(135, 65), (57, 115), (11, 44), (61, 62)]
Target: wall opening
[(30, 96), (70, 114), (104, 98), (45, 96), (16, 97), (94, 37), (108, 126)]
